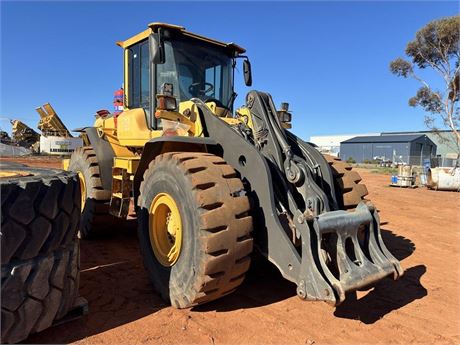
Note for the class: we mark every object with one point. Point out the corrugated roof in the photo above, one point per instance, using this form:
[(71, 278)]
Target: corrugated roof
[(385, 138), (417, 132)]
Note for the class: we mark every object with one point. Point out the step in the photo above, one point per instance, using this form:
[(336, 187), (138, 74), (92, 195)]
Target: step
[(120, 177)]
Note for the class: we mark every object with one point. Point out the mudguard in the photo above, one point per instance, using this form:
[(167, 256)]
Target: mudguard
[(160, 145)]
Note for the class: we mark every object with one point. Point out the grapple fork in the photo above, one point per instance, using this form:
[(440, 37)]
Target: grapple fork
[(349, 253)]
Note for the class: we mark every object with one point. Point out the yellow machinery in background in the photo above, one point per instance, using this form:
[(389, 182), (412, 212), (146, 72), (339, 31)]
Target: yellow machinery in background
[(55, 138), (50, 123), (207, 181), (23, 135)]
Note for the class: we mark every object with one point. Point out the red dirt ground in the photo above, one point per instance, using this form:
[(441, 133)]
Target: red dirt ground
[(36, 161), (421, 227)]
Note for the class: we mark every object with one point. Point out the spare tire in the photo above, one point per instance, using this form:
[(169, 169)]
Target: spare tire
[(40, 212)]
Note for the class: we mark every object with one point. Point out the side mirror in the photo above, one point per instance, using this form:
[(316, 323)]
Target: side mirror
[(156, 49), (247, 72)]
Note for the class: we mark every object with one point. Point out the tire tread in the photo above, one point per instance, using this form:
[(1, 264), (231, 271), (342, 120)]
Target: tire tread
[(31, 301), (225, 225), (350, 192)]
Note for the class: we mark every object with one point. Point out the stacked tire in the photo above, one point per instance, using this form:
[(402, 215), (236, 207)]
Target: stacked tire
[(40, 212)]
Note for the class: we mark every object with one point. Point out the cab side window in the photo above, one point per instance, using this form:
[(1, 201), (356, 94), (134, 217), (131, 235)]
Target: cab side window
[(138, 70), (212, 76)]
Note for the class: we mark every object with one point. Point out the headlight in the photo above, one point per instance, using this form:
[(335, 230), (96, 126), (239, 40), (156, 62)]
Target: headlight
[(283, 114)]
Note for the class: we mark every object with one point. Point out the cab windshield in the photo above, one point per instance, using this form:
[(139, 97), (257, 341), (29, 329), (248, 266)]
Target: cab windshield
[(197, 70)]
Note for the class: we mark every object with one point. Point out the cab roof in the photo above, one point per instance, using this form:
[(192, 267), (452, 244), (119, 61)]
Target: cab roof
[(153, 27)]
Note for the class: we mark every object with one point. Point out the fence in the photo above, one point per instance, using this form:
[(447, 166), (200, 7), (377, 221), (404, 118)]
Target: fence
[(443, 162), (440, 161)]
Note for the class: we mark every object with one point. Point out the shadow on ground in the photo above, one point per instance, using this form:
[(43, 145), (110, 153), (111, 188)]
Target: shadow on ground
[(114, 282), (264, 284), (117, 288), (388, 295), (385, 297), (400, 246)]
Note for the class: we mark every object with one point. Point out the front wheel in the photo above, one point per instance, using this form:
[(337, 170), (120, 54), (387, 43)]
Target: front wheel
[(194, 227)]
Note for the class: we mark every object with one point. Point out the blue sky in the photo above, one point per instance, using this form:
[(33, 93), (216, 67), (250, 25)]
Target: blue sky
[(329, 60)]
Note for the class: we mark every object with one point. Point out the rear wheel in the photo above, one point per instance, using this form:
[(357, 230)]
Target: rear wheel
[(194, 227), (94, 207), (349, 191)]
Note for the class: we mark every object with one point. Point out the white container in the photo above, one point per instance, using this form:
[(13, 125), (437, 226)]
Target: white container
[(422, 179), (59, 145), (405, 176), (444, 179)]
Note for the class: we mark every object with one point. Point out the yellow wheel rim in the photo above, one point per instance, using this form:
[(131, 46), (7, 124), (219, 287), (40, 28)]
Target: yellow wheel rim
[(165, 228), (81, 177)]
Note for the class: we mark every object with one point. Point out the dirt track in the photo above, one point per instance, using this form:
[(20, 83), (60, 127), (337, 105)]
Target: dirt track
[(421, 227)]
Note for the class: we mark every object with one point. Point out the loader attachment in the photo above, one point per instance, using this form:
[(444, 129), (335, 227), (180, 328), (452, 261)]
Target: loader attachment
[(348, 250), (298, 225)]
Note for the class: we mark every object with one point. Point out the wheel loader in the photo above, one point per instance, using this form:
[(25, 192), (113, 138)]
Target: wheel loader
[(210, 183)]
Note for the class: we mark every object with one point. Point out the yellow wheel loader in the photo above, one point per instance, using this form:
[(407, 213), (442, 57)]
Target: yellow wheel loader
[(208, 182)]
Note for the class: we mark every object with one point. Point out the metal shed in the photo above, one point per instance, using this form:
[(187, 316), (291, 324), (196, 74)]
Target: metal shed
[(409, 149)]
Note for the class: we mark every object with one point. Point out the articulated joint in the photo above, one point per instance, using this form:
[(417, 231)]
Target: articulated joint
[(293, 173)]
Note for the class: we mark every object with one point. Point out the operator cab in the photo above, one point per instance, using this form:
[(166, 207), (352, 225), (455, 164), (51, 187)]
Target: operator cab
[(195, 66)]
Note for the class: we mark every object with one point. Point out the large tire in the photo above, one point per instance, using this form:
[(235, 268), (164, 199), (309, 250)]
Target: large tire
[(40, 210), (38, 292), (95, 211), (349, 191), (216, 235)]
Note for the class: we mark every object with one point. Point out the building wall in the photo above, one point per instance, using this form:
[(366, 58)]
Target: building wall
[(445, 140), (445, 144), (413, 152), (331, 143), (367, 151), (421, 149), (445, 147)]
